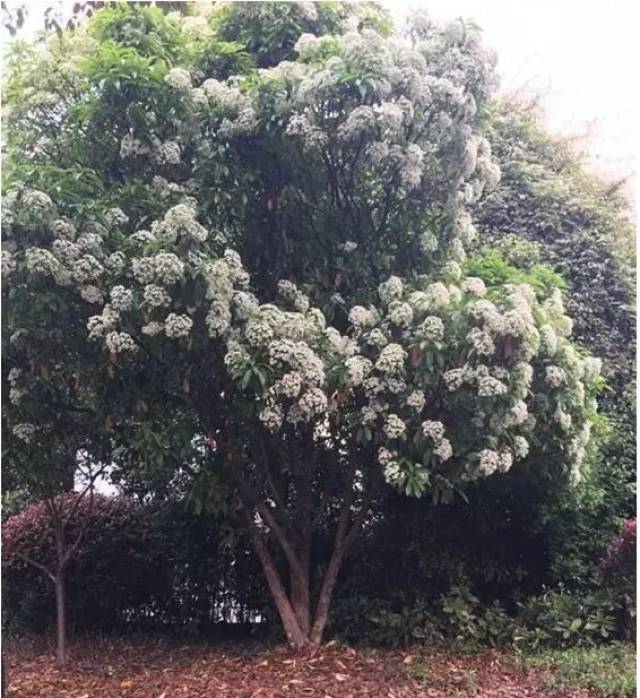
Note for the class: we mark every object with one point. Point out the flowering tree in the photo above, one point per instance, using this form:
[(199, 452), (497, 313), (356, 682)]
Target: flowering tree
[(275, 271)]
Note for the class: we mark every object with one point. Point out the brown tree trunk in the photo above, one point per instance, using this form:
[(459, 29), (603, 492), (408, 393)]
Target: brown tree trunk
[(326, 591), (345, 536), (295, 636), (300, 598), (61, 618), (5, 676)]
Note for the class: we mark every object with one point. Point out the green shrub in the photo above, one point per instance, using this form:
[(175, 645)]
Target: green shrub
[(608, 671), (559, 619)]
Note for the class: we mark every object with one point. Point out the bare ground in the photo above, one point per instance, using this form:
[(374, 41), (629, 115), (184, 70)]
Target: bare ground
[(107, 668)]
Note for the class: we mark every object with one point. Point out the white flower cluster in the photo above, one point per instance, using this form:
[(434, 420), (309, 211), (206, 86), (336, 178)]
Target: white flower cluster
[(416, 401), (359, 316), (312, 138), (91, 294), (290, 293), (391, 359), (164, 268), (400, 314), (156, 296), (554, 376), (120, 342), (40, 261), (491, 461), (432, 328), (167, 153), (178, 78), (391, 290), (474, 286), (488, 386), (121, 298), (481, 342), (358, 368), (35, 199), (131, 148), (434, 431), (394, 427), (177, 326), (25, 432), (179, 222), (116, 217)]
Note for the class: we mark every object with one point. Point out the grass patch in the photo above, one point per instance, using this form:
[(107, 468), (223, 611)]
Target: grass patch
[(609, 671)]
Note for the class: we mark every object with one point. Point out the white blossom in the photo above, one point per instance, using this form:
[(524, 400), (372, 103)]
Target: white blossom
[(482, 342), (91, 294), (400, 314), (176, 326), (390, 290), (416, 400), (394, 427), (358, 368), (271, 416), (35, 199), (25, 432), (488, 386), (391, 359), (116, 217), (167, 153), (554, 376), (433, 430), (443, 450), (156, 296), (153, 328), (121, 298), (475, 286), (179, 79), (313, 403), (120, 342), (520, 447), (385, 456), (592, 367)]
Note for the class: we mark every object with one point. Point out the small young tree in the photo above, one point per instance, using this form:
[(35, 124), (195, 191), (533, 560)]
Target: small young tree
[(61, 535), (119, 565), (278, 263)]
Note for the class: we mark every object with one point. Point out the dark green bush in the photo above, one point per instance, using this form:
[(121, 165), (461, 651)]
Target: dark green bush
[(559, 619)]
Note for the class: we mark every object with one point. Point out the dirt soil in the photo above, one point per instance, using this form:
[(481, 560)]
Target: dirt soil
[(108, 668)]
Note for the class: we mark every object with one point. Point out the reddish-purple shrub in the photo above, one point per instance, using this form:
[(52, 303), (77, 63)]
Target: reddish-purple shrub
[(618, 568), (619, 564), (117, 565)]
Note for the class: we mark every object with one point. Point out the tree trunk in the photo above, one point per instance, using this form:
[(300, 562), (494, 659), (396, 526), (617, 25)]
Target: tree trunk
[(5, 676), (326, 592), (300, 599), (61, 618), (295, 636)]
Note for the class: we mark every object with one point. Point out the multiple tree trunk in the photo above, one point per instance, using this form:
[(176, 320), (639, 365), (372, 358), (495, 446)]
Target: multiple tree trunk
[(291, 527)]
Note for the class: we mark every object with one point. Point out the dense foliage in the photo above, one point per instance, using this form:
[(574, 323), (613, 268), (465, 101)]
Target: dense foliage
[(260, 271)]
